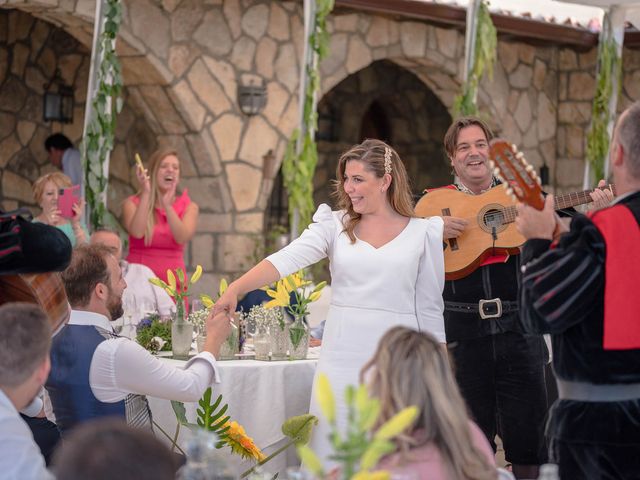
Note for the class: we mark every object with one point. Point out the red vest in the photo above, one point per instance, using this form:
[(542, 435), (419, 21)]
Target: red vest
[(621, 234)]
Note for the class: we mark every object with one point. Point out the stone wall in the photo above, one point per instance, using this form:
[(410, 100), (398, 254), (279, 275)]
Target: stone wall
[(30, 52), (182, 64)]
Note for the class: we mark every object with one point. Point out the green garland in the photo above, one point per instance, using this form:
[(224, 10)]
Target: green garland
[(609, 67), (298, 169), (484, 57), (100, 134)]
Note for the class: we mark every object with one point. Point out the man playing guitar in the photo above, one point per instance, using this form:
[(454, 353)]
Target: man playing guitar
[(499, 368)]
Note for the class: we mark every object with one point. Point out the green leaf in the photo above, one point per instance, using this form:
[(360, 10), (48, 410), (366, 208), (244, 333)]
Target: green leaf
[(299, 428)]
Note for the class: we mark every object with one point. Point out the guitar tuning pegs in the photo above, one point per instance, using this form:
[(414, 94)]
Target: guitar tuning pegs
[(510, 191), (519, 156), (529, 168), (496, 171), (513, 197), (514, 149), (492, 164), (538, 180)]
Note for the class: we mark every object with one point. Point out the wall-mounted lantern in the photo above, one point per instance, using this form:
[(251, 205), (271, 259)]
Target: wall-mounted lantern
[(58, 101), (252, 98)]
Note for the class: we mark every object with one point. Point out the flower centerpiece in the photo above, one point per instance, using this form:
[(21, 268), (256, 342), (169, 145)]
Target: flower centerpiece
[(303, 294), (360, 449), (154, 334), (178, 289), (267, 323)]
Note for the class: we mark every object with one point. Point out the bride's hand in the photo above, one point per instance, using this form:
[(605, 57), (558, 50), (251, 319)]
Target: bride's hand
[(227, 302)]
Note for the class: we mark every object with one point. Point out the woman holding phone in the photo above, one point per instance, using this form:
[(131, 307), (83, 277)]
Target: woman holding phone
[(47, 191), (159, 220)]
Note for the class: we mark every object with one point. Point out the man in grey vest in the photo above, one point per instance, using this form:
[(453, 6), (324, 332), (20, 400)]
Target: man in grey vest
[(96, 373)]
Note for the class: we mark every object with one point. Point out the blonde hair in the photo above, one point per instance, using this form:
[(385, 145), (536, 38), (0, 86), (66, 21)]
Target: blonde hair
[(411, 368), (58, 178), (154, 164), (371, 153)]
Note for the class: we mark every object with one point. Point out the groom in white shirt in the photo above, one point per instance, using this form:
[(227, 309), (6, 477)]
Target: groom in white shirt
[(95, 373)]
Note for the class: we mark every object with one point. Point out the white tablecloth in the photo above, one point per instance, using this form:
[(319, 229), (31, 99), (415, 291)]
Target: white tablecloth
[(261, 396)]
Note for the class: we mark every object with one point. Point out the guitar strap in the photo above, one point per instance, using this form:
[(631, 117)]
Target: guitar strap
[(621, 233)]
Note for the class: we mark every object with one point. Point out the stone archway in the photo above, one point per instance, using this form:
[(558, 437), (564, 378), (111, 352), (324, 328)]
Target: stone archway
[(387, 100)]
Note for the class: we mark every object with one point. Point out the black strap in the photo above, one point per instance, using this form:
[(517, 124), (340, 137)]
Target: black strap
[(464, 307)]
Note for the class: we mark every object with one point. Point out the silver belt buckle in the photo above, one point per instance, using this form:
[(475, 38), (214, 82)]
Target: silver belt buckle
[(498, 313)]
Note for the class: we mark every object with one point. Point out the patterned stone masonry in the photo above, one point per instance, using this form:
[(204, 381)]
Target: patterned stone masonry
[(182, 64)]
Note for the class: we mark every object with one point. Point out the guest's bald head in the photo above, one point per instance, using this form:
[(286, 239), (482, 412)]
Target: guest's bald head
[(108, 238)]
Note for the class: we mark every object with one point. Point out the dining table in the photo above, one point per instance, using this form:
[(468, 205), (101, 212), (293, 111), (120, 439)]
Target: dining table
[(260, 396)]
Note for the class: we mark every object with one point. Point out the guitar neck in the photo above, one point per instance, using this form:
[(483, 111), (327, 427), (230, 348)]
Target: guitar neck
[(563, 201)]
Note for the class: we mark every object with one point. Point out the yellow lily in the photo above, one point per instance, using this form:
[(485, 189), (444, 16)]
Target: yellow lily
[(396, 424), (223, 286), (314, 296), (280, 296), (325, 399), (196, 275), (310, 460), (207, 301), (172, 279), (377, 475)]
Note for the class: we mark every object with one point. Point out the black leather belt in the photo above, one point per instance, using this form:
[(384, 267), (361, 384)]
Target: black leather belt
[(493, 308)]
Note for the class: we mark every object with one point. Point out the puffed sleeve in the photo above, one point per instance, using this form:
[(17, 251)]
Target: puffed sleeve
[(312, 246), (430, 282)]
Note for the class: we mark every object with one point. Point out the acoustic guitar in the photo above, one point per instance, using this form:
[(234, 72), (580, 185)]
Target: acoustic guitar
[(43, 289), (491, 230)]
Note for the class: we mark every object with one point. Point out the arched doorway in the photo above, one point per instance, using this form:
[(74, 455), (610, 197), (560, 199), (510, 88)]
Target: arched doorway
[(388, 102)]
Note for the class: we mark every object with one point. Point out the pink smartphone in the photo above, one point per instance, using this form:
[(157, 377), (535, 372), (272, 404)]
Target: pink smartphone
[(67, 199)]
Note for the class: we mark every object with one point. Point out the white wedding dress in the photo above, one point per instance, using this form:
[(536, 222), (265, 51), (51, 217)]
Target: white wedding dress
[(372, 290)]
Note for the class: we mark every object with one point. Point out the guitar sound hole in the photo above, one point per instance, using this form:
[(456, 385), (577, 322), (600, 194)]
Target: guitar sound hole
[(493, 218)]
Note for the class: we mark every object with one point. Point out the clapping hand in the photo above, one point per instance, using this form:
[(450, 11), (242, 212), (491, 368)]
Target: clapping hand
[(143, 178)]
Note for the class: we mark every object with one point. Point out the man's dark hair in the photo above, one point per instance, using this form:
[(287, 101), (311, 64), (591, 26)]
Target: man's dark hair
[(88, 267), (451, 137), (24, 343), (108, 448), (57, 141)]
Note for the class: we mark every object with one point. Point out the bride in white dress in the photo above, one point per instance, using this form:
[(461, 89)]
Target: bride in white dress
[(387, 269)]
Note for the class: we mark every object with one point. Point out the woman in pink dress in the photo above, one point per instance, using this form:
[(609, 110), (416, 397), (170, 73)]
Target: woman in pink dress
[(411, 368), (158, 219)]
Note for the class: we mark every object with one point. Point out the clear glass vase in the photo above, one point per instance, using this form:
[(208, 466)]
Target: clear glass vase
[(181, 333), (261, 345), (230, 346), (298, 338), (278, 341)]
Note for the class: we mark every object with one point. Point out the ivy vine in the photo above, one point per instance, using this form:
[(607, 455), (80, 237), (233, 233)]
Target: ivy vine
[(107, 103), (609, 68), (298, 168), (484, 57)]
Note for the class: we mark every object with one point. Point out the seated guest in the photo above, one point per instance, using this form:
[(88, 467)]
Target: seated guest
[(411, 368), (95, 373), (107, 449), (46, 192), (24, 365), (136, 275)]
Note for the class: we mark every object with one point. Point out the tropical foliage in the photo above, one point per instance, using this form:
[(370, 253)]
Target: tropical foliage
[(609, 68), (300, 159), (107, 103), (484, 58)]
